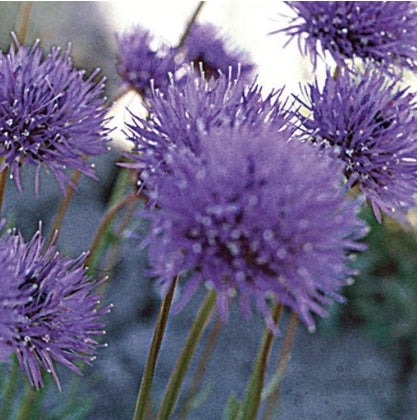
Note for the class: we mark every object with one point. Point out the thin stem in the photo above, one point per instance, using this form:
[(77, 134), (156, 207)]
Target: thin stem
[(253, 395), (3, 182), (106, 220), (113, 252), (174, 386), (149, 370), (272, 390), (26, 407), (22, 25), (63, 206), (191, 23), (9, 391), (201, 366)]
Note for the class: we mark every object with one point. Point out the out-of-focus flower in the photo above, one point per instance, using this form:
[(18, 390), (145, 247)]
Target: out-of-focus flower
[(47, 307), (381, 31), (257, 215), (204, 45), (370, 124), (186, 110), (139, 62), (49, 114)]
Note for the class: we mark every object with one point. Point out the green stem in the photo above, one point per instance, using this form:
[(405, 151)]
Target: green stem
[(26, 406), (256, 382), (22, 25), (201, 366), (10, 391), (272, 390), (62, 208), (174, 386), (146, 382), (3, 182), (191, 23), (106, 220)]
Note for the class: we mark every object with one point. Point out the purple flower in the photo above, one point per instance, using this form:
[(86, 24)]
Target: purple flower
[(195, 106), (382, 31), (49, 114), (139, 62), (203, 44), (254, 214), (370, 124), (47, 307)]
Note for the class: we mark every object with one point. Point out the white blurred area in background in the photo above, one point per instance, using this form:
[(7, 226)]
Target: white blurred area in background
[(246, 23)]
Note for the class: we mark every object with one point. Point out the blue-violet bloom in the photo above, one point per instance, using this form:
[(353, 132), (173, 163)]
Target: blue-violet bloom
[(49, 113), (48, 308), (205, 45), (257, 215), (369, 123), (139, 62), (380, 31)]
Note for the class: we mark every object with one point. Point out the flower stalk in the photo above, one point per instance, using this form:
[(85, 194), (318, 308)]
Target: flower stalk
[(106, 220), (253, 395), (22, 25), (3, 182), (9, 390), (201, 367), (191, 23), (181, 367), (160, 327), (63, 206), (272, 390)]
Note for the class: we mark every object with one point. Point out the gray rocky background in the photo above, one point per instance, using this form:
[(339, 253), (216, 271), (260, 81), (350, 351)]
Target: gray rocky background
[(333, 374)]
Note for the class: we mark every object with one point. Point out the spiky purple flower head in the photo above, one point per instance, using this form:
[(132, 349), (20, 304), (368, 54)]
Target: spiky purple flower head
[(205, 45), (256, 215), (381, 31), (48, 308), (186, 110), (139, 61), (49, 113), (369, 123)]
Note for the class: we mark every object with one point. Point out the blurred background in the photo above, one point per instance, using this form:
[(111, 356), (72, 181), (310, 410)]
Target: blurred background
[(359, 364)]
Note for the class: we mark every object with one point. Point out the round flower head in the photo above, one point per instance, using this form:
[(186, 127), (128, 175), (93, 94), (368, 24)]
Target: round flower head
[(185, 110), (371, 125), (49, 114), (382, 31), (48, 311), (204, 45), (139, 63), (244, 217)]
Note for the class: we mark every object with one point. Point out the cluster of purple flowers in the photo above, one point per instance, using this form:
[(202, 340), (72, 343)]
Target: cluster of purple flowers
[(49, 115), (139, 62), (247, 194), (48, 310), (360, 113)]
